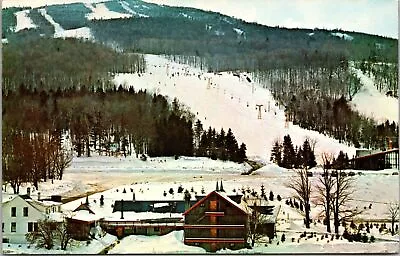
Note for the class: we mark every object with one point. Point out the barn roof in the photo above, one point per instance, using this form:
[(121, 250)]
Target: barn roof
[(224, 197)]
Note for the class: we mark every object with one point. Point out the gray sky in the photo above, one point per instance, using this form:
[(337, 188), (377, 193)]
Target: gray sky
[(379, 17)]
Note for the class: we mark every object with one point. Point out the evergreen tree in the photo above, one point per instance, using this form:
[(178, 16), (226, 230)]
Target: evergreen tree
[(263, 191), (299, 158), (242, 153), (288, 153), (308, 157), (276, 154)]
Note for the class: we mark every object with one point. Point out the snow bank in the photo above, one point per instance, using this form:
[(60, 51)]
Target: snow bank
[(374, 104), (101, 12), (228, 102), (76, 247), (171, 243), (23, 21)]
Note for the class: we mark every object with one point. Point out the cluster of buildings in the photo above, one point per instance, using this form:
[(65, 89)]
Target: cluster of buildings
[(213, 221)]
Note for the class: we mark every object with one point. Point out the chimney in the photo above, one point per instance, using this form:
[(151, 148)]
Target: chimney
[(122, 209), (217, 189), (28, 191), (38, 196), (221, 188)]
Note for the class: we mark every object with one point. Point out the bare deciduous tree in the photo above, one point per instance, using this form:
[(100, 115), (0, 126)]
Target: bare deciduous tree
[(393, 212), (342, 195), (64, 234), (254, 232), (45, 234), (324, 189), (302, 187)]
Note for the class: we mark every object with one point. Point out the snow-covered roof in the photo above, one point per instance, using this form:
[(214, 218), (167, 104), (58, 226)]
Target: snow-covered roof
[(138, 216), (159, 205), (56, 216), (85, 216), (7, 198), (272, 218), (241, 206)]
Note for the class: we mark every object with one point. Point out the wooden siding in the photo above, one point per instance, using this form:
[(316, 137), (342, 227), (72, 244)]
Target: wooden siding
[(214, 223)]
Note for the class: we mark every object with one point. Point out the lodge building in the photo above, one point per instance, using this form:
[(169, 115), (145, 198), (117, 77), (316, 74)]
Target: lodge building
[(216, 222)]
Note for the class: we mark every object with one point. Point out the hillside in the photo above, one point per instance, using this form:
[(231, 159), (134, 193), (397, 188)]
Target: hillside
[(150, 28)]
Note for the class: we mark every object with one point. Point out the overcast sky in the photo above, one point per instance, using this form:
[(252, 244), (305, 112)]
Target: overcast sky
[(379, 17)]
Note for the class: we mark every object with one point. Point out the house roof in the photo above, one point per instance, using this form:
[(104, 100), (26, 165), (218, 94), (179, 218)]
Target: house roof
[(85, 216), (84, 207), (223, 196)]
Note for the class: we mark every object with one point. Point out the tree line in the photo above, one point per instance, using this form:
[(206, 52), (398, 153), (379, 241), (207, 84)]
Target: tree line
[(118, 121), (63, 63), (286, 156), (218, 145)]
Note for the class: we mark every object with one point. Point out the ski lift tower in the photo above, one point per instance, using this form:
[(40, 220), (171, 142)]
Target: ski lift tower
[(167, 69), (259, 110)]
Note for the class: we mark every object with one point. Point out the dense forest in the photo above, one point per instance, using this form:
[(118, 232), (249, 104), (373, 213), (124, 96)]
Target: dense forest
[(63, 63)]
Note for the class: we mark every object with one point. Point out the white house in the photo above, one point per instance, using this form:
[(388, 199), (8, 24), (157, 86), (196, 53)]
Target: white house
[(21, 214)]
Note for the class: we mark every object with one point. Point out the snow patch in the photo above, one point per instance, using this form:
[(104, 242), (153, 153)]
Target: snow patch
[(125, 5), (101, 12), (185, 15), (83, 32), (238, 31), (342, 35), (310, 34), (23, 21)]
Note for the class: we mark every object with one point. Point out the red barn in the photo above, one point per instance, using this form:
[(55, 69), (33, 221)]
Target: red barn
[(216, 222)]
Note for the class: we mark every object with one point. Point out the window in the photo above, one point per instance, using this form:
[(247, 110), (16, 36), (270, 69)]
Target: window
[(30, 226), (13, 226), (13, 211), (35, 226), (25, 211), (156, 229)]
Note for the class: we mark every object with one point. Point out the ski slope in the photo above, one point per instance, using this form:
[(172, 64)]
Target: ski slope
[(59, 32), (227, 101), (374, 104), (23, 21), (101, 12)]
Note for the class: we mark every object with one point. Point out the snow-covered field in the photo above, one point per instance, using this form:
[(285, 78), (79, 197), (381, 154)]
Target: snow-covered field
[(374, 104), (228, 102), (77, 247)]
